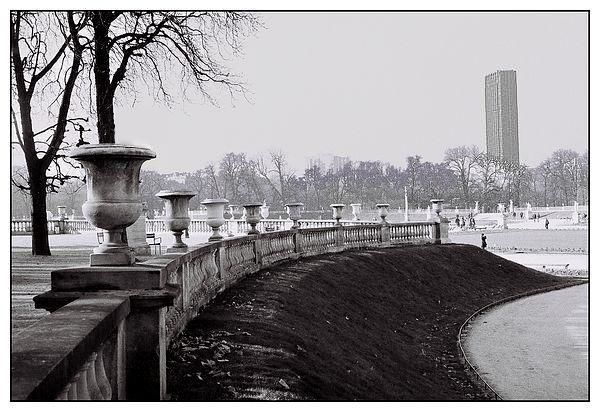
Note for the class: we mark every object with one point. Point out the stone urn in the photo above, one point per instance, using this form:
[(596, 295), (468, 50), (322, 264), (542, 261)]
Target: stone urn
[(355, 210), (237, 211), (383, 212), (215, 209), (113, 196), (62, 212), (294, 211), (177, 219), (436, 206), (337, 212), (252, 211), (264, 211)]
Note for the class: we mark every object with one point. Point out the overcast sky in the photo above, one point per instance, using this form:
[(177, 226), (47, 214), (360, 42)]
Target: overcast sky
[(380, 86)]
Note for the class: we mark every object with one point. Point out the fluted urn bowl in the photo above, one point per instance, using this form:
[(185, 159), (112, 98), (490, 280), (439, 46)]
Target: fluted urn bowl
[(383, 211), (356, 207), (176, 218), (337, 211), (436, 206), (253, 216), (215, 209), (113, 203), (294, 211)]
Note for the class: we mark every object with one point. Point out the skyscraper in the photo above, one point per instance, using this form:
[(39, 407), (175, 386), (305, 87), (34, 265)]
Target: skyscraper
[(501, 115)]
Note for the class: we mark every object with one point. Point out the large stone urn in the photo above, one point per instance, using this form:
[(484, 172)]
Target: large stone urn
[(113, 196), (436, 206), (294, 211), (252, 211), (383, 212), (337, 212), (237, 211), (355, 210), (177, 219), (215, 209), (264, 211), (62, 212)]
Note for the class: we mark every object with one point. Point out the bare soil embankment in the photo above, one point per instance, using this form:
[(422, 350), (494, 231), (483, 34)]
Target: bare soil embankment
[(368, 325)]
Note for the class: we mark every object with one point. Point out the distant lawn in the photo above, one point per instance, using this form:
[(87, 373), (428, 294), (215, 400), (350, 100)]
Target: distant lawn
[(369, 325), (527, 239)]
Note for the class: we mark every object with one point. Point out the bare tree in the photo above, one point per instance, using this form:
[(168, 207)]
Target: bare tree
[(462, 160), (276, 174), (151, 44), (46, 57)]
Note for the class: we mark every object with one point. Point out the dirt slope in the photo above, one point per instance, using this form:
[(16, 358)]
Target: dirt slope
[(369, 325)]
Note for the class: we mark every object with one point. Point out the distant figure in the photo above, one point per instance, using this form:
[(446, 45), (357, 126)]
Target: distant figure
[(521, 214), (547, 223), (462, 222), (483, 241), (457, 221)]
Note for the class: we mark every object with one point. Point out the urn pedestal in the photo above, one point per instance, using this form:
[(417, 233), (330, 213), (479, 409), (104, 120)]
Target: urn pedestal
[(113, 196), (294, 211), (215, 209), (177, 219), (252, 212), (337, 212)]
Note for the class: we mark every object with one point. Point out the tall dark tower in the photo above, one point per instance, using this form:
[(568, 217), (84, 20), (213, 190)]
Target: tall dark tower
[(501, 115)]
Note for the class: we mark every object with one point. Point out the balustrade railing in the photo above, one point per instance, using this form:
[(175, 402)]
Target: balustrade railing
[(75, 353), (413, 232), (79, 225)]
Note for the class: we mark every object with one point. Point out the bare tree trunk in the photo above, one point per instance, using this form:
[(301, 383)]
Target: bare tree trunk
[(39, 220), (104, 94)]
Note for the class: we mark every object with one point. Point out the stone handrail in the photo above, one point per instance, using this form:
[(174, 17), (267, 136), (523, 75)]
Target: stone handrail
[(75, 353)]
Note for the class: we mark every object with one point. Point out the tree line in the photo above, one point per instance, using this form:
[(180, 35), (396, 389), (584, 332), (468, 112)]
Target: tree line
[(464, 176)]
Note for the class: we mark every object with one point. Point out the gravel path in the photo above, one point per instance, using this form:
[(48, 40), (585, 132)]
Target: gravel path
[(535, 348)]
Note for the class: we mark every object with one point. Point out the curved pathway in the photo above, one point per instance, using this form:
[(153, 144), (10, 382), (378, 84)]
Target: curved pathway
[(535, 348)]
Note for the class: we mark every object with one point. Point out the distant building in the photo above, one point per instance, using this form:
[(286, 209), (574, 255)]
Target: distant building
[(501, 115), (338, 162), (328, 161), (315, 162)]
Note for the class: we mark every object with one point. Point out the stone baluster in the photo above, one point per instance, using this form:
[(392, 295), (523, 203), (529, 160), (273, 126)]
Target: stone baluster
[(72, 394), (93, 388), (101, 378), (82, 385)]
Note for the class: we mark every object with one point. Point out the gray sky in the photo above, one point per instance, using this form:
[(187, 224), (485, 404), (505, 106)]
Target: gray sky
[(380, 86)]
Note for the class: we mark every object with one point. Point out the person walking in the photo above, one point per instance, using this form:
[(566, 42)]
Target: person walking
[(547, 223), (483, 241)]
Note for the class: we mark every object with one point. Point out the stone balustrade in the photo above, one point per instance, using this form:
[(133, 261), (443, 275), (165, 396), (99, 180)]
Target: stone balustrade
[(208, 269), (68, 354), (22, 226), (75, 353), (233, 226)]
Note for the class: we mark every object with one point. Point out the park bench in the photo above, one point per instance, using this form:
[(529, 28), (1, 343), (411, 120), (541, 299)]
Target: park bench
[(156, 242), (151, 239)]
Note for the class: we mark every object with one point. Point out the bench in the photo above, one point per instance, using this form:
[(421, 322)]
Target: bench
[(156, 242), (151, 239)]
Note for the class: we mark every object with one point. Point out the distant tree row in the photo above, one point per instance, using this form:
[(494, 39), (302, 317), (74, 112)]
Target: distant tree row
[(466, 175)]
